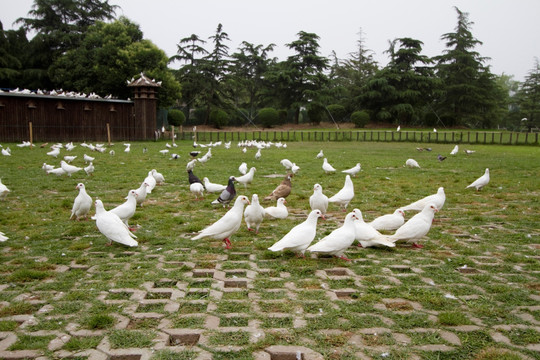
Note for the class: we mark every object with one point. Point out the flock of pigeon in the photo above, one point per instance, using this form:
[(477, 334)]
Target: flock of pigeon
[(114, 225)]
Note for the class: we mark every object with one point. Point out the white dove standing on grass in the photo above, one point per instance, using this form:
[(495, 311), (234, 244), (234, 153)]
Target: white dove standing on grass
[(212, 187), (279, 211), (299, 237), (368, 236), (327, 167), (89, 170), (160, 179), (3, 190), (3, 237), (227, 225), (69, 169), (151, 181), (354, 170), (246, 179), (88, 159), (141, 193), (320, 155), (69, 158), (243, 168), (54, 152), (480, 182), (338, 240), (318, 201), (7, 152), (437, 199), (287, 164), (81, 204), (46, 167), (128, 147), (454, 150), (126, 210), (412, 163), (110, 225), (258, 154), (344, 196), (191, 164), (58, 171), (254, 214), (416, 227), (389, 221), (295, 168)]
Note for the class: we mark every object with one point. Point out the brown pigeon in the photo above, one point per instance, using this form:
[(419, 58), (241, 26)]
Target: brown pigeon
[(282, 190)]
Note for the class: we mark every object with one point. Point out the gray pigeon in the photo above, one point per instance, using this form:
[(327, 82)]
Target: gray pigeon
[(226, 195)]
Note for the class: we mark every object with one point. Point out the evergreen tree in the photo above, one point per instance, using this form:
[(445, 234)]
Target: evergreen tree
[(529, 97)]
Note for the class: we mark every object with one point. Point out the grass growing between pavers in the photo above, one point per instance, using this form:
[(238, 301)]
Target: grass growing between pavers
[(477, 274)]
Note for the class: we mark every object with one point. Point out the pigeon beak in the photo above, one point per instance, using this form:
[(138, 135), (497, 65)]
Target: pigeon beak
[(323, 217)]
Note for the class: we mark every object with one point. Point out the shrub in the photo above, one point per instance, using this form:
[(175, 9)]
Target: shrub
[(337, 111), (360, 118), (268, 117), (315, 114), (175, 117), (219, 118)]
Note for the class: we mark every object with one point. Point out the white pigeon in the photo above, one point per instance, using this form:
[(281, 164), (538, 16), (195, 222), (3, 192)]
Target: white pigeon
[(243, 168), (412, 163), (295, 168), (416, 227), (247, 178), (320, 155), (151, 181), (197, 189), (164, 151), (58, 171), (88, 158), (227, 225), (126, 210), (141, 193), (211, 187), (354, 170), (279, 211), (160, 179), (469, 152), (54, 152), (3, 237), (327, 167), (191, 165), (110, 225), (366, 235), (454, 150), (128, 147), (82, 203), (244, 150), (299, 237), (398, 128), (3, 190), (480, 182), (47, 167), (318, 201), (338, 240), (287, 164), (69, 158), (89, 170), (69, 169), (203, 159), (434, 130), (258, 154), (254, 214), (7, 152), (437, 199), (389, 221), (344, 196)]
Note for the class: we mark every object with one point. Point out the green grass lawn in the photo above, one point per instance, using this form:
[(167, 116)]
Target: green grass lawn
[(494, 232)]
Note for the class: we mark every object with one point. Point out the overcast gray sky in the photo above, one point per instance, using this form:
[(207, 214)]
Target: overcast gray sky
[(508, 29)]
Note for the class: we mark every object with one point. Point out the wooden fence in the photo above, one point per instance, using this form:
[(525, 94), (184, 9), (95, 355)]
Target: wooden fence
[(450, 137)]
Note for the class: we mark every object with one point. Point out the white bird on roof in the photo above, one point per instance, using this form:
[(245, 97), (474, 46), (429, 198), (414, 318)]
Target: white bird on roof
[(318, 201), (3, 190), (211, 187), (110, 225), (366, 235), (254, 214), (279, 211), (69, 169), (89, 170), (481, 181), (437, 199), (126, 210), (416, 227), (227, 225), (389, 221), (353, 171), (81, 204), (344, 196), (299, 237), (327, 167), (338, 240), (412, 163)]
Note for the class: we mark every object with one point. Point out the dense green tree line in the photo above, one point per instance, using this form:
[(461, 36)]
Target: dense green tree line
[(79, 45)]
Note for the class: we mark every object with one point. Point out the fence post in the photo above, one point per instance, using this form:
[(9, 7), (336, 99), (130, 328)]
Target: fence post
[(30, 131), (109, 134)]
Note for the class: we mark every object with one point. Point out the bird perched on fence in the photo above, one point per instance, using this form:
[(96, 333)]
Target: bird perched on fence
[(282, 190), (81, 204), (254, 214), (227, 225), (110, 225), (480, 182), (299, 237), (344, 196), (226, 195), (318, 201), (338, 240)]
